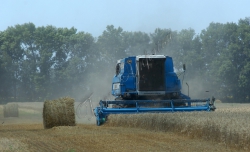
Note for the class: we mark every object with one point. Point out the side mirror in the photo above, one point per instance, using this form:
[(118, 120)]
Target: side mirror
[(117, 69), (184, 67)]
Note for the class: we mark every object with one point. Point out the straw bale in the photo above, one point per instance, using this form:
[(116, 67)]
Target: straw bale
[(59, 112), (10, 110)]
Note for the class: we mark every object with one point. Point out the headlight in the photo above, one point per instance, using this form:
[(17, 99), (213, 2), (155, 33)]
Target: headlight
[(116, 86)]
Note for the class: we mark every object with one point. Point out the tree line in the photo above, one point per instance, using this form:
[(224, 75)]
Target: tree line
[(38, 63)]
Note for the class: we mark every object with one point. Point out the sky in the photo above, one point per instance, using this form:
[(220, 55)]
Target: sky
[(92, 16)]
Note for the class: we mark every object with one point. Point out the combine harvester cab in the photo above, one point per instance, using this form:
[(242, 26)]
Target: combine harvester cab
[(148, 83)]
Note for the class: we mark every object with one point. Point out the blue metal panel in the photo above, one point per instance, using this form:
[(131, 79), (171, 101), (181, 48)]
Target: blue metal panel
[(128, 78), (139, 110), (115, 80), (172, 82), (169, 64)]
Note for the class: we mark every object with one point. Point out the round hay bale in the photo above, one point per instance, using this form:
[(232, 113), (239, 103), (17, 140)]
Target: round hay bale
[(59, 112), (10, 110)]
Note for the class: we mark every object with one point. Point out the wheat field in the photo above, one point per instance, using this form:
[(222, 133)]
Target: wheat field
[(229, 126), (226, 129)]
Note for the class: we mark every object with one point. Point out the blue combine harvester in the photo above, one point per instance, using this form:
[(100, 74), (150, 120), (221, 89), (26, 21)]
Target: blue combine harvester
[(148, 83)]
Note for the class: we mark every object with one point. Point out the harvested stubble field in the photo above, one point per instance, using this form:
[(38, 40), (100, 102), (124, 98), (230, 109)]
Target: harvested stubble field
[(26, 133)]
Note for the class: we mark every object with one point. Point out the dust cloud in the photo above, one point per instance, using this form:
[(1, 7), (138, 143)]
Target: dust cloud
[(98, 85), (198, 89)]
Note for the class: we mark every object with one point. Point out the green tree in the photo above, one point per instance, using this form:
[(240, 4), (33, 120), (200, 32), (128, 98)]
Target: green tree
[(29, 61), (136, 43), (215, 41), (160, 40), (53, 47), (2, 71), (111, 45), (240, 50), (80, 60), (226, 51), (12, 55)]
